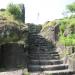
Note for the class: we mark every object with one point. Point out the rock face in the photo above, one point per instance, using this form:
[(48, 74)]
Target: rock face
[(54, 35), (51, 33), (11, 31)]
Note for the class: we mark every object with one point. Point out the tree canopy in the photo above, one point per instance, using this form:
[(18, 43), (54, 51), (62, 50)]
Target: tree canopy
[(71, 7)]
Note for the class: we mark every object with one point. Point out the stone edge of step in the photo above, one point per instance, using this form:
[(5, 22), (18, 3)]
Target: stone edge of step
[(47, 66), (60, 71)]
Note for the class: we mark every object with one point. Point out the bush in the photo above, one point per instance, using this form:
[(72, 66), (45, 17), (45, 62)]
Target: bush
[(15, 10), (67, 41)]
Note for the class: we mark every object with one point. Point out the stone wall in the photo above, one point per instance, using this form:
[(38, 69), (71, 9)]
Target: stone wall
[(13, 56), (65, 50), (71, 63)]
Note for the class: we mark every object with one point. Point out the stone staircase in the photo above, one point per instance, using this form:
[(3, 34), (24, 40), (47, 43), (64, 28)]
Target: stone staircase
[(44, 59)]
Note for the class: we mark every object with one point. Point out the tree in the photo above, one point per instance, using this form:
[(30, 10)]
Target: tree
[(71, 7)]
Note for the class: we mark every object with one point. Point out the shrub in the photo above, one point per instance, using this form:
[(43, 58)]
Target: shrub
[(15, 10)]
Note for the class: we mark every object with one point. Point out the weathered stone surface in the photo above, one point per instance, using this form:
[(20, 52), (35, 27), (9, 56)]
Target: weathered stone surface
[(12, 31), (51, 33), (13, 56), (15, 72)]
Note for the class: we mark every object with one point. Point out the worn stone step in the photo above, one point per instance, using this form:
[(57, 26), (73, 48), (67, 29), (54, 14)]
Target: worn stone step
[(12, 72), (37, 37), (36, 73), (40, 44), (38, 41), (59, 72), (43, 73), (38, 50), (46, 62), (41, 55), (33, 34), (47, 67), (42, 52), (36, 34), (48, 57)]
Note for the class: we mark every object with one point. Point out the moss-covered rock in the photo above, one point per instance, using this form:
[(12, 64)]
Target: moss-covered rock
[(50, 31), (10, 31)]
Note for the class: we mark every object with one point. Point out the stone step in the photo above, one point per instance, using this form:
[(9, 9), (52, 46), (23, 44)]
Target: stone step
[(39, 44), (41, 55), (42, 52), (40, 49), (59, 72), (36, 37), (43, 49), (40, 41), (47, 57), (46, 62), (34, 34), (47, 67)]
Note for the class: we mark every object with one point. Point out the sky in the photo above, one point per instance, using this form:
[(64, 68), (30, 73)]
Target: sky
[(40, 11)]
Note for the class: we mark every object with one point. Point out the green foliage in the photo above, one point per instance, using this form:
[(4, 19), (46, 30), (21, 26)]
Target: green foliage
[(63, 24), (7, 15), (67, 27), (67, 30), (71, 7), (13, 28), (67, 41), (15, 10)]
